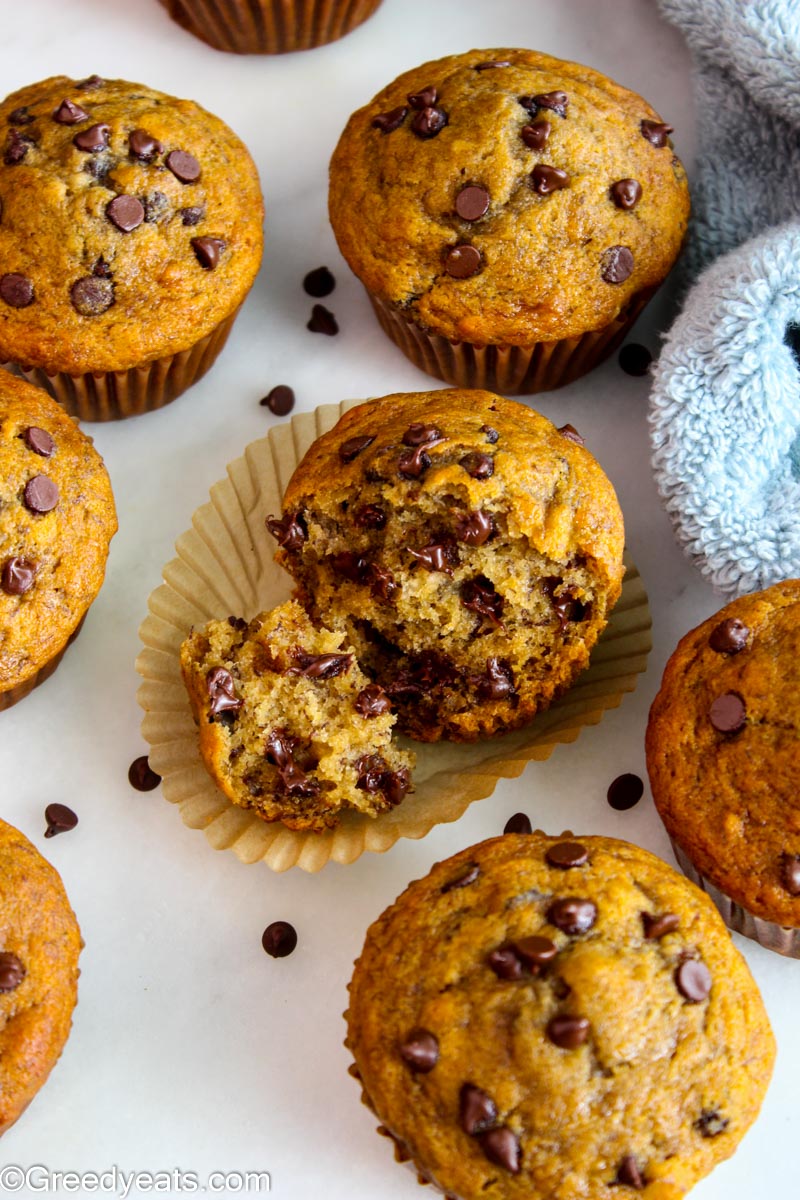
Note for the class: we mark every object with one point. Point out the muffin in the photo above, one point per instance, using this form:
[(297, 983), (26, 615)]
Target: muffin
[(469, 550), (723, 762), (39, 946), (57, 518), (289, 726), (130, 235), (566, 1019), (269, 26), (509, 215)]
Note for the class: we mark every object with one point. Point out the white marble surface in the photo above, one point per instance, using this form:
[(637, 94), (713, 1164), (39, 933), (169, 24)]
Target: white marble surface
[(191, 1048)]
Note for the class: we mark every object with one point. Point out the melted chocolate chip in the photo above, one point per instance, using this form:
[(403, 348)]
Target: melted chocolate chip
[(462, 262), (659, 925), (501, 1146), (557, 102), (474, 528), (572, 916), (142, 776), (625, 792), (492, 435), (375, 776), (729, 637), (626, 193), (17, 576), (693, 980), (497, 683), (635, 359), (40, 494), (439, 556), (192, 215), (12, 971), (566, 606), (419, 434), (93, 139), (21, 116), (320, 666), (536, 952), (464, 880), (289, 531), (369, 516), (60, 819), (616, 264), (17, 147), (183, 166), (790, 873), (91, 295), (479, 596), (414, 463), (221, 692), (570, 432), (711, 1123), (472, 202), (425, 98), (479, 466), (353, 446), (477, 1109), (628, 1173), (318, 283), (382, 583), (372, 701), (126, 212), (322, 320), (396, 785), (567, 1031), (279, 939), (351, 565), (279, 400), (535, 135), (491, 66), (389, 121), (420, 1051), (280, 751), (519, 823), (91, 84), (728, 713), (567, 854), (143, 146), (545, 179), (428, 122), (69, 113), (16, 290), (207, 251), (656, 132), (506, 963)]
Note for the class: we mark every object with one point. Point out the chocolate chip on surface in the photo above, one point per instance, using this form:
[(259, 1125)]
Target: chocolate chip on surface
[(318, 283), (372, 701), (728, 713), (729, 637), (40, 494), (491, 66), (279, 939), (60, 819), (656, 132), (184, 166), (289, 532), (420, 1051), (616, 264), (428, 122), (439, 556), (462, 262), (474, 528), (221, 692), (389, 121), (635, 359), (351, 449), (207, 251), (545, 179), (464, 880), (628, 1173), (280, 400), (567, 1032), (21, 116), (572, 916), (506, 963), (625, 792), (693, 980), (16, 290), (477, 1109), (419, 434), (501, 1146), (536, 134), (192, 215), (659, 925), (711, 1123), (17, 147), (425, 98), (626, 193), (320, 666), (143, 146), (142, 776), (69, 113), (535, 951), (93, 139), (17, 576), (570, 432), (478, 465), (492, 436), (518, 823), (567, 854), (39, 441), (790, 873), (322, 321), (472, 202), (557, 102), (92, 295), (12, 971), (498, 681), (126, 212)]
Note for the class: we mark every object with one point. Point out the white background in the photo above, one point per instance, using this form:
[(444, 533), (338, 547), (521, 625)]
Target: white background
[(191, 1048)]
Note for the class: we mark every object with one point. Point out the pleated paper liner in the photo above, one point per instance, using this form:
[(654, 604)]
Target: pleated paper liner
[(224, 566), (269, 26)]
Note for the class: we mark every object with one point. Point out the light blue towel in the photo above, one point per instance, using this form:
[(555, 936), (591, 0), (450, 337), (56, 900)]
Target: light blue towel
[(725, 406)]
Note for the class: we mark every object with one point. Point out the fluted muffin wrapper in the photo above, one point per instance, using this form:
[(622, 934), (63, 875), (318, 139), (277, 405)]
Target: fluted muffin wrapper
[(224, 566), (13, 695), (780, 938), (269, 26), (510, 370), (114, 395)]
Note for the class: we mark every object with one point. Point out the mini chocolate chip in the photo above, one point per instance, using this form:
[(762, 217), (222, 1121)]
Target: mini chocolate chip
[(389, 121), (439, 556), (501, 1146), (322, 321), (477, 1109), (420, 1051), (17, 575), (626, 193), (320, 666), (192, 215), (536, 951), (474, 528), (545, 179), (728, 713), (279, 400), (519, 823), (616, 264), (567, 854), (426, 98), (16, 290), (567, 1031), (472, 202), (790, 873), (17, 147), (369, 516), (279, 939), (659, 925), (93, 139), (91, 295), (464, 880), (505, 962), (624, 792), (353, 446), (143, 146), (126, 212), (184, 166), (478, 465), (142, 776), (572, 916), (12, 971), (729, 637), (492, 435), (635, 359), (462, 262), (289, 531), (535, 136), (40, 494), (711, 1123), (21, 116), (656, 132), (570, 432), (497, 683), (428, 122), (491, 66), (207, 251), (628, 1173), (69, 113), (419, 434), (101, 269), (372, 701), (90, 84), (693, 980), (319, 282), (557, 102), (237, 623), (221, 692), (60, 819)]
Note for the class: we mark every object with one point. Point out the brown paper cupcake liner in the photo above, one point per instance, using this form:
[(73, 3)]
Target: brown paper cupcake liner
[(224, 567), (269, 26), (11, 697), (114, 395), (779, 938), (510, 370)]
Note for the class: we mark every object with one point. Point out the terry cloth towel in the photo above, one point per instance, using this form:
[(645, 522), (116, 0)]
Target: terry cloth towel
[(725, 405)]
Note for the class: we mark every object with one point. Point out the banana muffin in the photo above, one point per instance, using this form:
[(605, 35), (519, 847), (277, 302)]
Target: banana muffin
[(289, 726), (57, 518), (39, 946), (509, 215), (567, 1019), (269, 26), (130, 235), (722, 753), (470, 551)]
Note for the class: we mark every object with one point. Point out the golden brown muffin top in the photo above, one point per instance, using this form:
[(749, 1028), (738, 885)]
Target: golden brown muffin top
[(57, 518), (545, 1017), (722, 750), (39, 946), (130, 227), (493, 196)]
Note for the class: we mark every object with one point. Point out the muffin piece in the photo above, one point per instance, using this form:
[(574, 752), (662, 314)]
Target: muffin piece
[(722, 753), (470, 551), (509, 215), (289, 725), (130, 235), (39, 947), (269, 26), (566, 1019), (57, 518)]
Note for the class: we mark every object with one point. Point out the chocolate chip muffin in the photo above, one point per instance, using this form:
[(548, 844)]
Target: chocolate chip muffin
[(470, 551), (289, 725), (722, 754), (509, 215), (39, 946), (269, 26), (567, 1018), (57, 518), (130, 235)]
